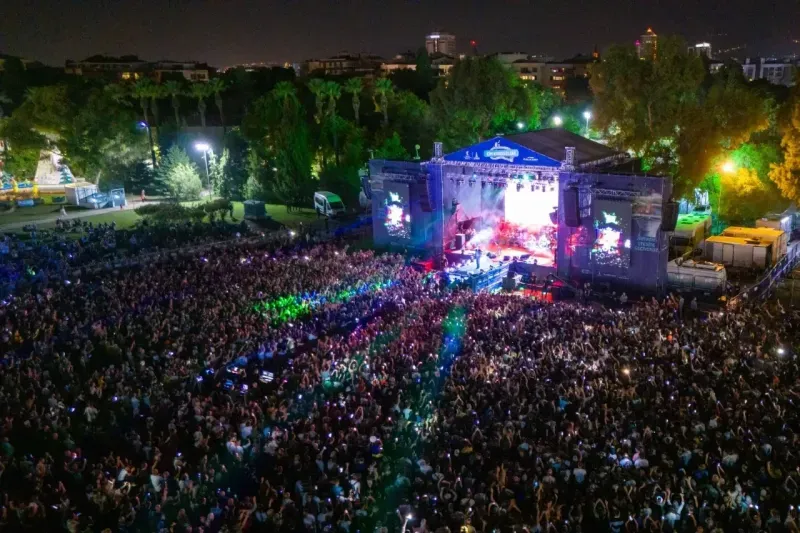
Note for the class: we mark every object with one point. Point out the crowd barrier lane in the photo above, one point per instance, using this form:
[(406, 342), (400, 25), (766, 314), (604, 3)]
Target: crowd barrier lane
[(764, 286)]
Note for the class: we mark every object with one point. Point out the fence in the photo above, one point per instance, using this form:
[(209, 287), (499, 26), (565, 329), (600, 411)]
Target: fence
[(762, 288)]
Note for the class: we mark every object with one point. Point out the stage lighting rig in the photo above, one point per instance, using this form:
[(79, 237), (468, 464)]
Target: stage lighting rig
[(519, 186)]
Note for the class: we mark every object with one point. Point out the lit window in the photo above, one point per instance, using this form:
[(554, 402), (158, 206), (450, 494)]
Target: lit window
[(126, 75)]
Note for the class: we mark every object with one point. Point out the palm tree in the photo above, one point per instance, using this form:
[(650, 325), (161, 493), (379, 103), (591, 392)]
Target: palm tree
[(216, 86), (142, 90), (157, 92), (120, 94), (383, 88), (285, 93), (175, 90), (333, 91), (200, 91), (3, 101), (316, 86), (354, 86)]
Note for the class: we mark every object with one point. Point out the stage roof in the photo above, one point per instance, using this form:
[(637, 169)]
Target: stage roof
[(552, 143)]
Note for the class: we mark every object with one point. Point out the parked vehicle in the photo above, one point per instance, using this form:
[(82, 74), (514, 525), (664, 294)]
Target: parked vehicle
[(328, 204)]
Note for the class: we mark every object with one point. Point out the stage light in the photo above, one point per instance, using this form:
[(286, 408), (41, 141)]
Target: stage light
[(533, 187), (519, 187), (557, 121)]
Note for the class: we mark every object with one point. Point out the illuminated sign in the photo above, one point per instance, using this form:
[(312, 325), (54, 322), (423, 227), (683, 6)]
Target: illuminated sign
[(501, 150), (504, 153)]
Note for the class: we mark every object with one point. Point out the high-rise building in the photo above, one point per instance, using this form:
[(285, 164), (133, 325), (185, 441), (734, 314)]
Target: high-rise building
[(701, 49), (441, 43), (647, 45)]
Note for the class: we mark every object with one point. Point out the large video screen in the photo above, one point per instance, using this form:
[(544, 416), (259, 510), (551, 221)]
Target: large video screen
[(612, 224), (530, 215), (397, 211), (517, 219)]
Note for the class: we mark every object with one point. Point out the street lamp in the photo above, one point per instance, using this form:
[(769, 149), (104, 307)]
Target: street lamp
[(520, 125), (587, 115), (728, 167), (204, 147), (557, 121)]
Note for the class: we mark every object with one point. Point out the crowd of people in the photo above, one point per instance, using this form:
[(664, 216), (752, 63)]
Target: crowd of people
[(36, 255), (316, 388)]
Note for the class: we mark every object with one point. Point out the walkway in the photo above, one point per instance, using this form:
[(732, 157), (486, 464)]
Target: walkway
[(70, 216)]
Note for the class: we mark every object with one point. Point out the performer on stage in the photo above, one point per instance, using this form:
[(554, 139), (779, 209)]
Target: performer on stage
[(478, 259)]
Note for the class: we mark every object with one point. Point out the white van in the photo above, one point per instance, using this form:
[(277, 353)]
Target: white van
[(328, 204)]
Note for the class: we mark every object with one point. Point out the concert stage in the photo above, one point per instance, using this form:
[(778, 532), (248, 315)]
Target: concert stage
[(533, 203)]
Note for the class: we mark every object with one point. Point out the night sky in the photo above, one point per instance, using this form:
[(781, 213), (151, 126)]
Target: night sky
[(225, 32)]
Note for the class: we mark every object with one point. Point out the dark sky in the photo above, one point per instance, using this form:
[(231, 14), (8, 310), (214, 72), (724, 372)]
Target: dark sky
[(224, 32)]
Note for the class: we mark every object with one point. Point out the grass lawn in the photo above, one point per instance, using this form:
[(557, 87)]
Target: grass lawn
[(277, 212), (128, 218)]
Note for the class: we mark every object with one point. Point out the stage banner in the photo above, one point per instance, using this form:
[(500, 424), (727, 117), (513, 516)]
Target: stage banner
[(500, 150), (646, 234), (648, 205)]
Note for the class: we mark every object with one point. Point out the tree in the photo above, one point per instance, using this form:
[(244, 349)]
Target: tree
[(216, 87), (174, 157), (13, 81), (383, 89), (671, 112), (424, 71), (174, 90), (217, 171), (786, 174), (199, 91), (285, 93), (354, 86), (23, 145), (333, 91), (142, 90), (184, 182), (412, 120), (4, 101), (317, 88), (392, 148), (101, 140), (279, 139), (157, 93), (479, 98), (178, 176)]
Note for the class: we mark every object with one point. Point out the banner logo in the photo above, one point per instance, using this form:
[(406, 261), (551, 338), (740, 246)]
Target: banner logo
[(503, 153)]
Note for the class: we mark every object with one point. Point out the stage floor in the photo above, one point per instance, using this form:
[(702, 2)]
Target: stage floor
[(462, 263)]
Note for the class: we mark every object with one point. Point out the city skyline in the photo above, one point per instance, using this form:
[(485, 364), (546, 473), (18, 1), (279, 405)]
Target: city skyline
[(239, 31)]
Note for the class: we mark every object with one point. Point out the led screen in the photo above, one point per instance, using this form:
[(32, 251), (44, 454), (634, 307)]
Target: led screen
[(612, 224), (516, 218), (397, 212)]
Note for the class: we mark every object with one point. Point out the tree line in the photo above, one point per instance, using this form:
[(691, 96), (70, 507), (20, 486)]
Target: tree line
[(286, 135), (716, 131)]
